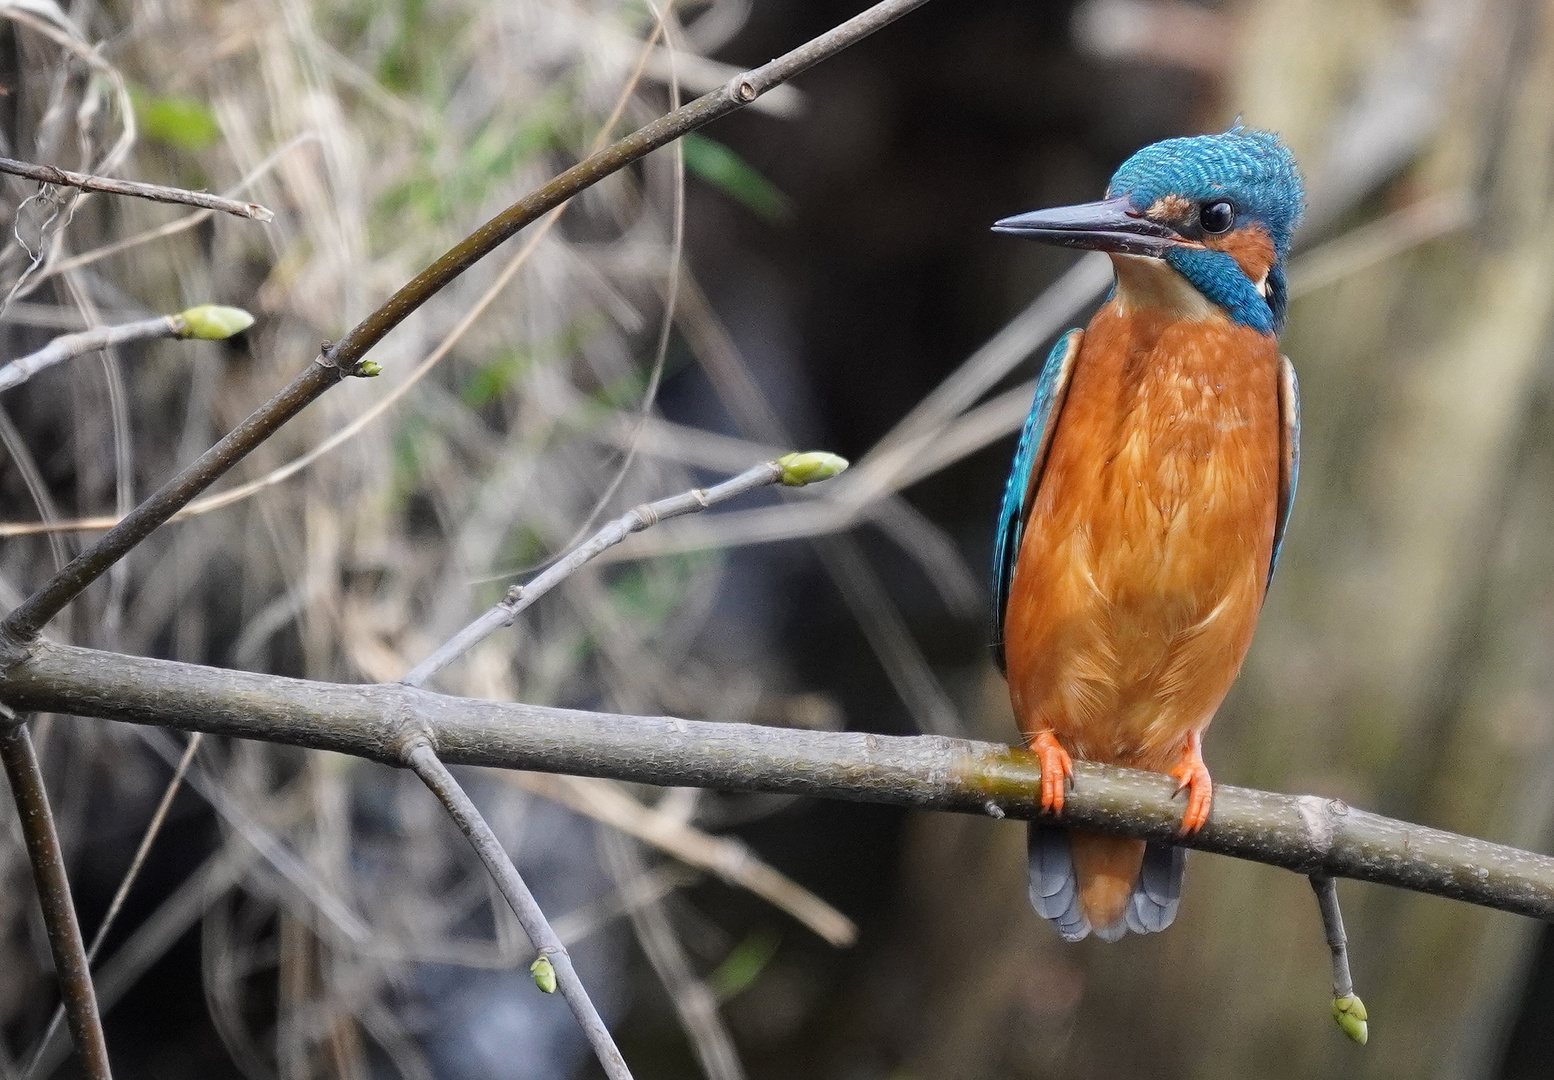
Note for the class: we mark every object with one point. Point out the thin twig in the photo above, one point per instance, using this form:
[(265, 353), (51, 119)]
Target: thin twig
[(153, 938), (152, 830), (337, 921), (22, 626), (171, 228), (519, 597), (671, 295), (1333, 927), (424, 761), (48, 174), (32, 478), (1306, 834), (730, 859), (69, 346), (693, 1002), (120, 427), (59, 913), (1348, 1009)]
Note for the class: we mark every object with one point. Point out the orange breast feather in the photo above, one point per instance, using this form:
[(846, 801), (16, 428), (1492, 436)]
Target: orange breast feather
[(1144, 561)]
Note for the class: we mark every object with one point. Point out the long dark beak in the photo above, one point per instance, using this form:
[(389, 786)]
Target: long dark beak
[(1109, 225)]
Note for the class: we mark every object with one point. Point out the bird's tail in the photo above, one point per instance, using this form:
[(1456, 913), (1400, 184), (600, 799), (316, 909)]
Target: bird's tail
[(1087, 882)]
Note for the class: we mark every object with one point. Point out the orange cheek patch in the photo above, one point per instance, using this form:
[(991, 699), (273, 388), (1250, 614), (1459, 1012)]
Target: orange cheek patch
[(1251, 247)]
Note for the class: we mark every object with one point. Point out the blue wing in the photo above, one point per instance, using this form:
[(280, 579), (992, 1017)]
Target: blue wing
[(1029, 457), (1289, 455)]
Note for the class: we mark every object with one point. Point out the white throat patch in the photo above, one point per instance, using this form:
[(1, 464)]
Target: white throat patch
[(1149, 284)]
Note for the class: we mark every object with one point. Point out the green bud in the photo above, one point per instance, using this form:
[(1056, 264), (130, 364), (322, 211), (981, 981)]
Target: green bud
[(212, 322), (1349, 1011), (369, 368), (810, 468), (544, 973)]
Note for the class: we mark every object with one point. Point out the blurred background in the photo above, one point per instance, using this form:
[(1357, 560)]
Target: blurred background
[(816, 272)]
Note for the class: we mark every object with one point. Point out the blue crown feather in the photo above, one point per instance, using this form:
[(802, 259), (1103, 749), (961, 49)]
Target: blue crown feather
[(1257, 174)]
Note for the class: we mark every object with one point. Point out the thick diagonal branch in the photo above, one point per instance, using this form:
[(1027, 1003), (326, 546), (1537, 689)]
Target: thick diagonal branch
[(344, 357), (1306, 834)]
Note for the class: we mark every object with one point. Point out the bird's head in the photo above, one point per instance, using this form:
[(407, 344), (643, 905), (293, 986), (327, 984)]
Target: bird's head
[(1218, 210)]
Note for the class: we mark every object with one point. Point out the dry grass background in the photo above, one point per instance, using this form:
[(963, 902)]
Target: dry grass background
[(379, 134)]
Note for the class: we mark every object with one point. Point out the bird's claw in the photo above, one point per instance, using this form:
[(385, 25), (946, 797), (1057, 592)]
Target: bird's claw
[(1057, 768), (1192, 776)]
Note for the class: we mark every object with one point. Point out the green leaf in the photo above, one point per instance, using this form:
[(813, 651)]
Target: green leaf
[(744, 964), (409, 454), (453, 176), (495, 377), (736, 177), (177, 121)]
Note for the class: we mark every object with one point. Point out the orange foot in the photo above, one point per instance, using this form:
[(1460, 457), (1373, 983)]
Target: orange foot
[(1056, 769), (1193, 775)]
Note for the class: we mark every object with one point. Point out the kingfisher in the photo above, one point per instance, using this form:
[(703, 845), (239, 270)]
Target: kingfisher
[(1149, 496)]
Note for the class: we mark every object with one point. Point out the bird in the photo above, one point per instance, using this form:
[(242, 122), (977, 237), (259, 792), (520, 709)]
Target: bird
[(1147, 503)]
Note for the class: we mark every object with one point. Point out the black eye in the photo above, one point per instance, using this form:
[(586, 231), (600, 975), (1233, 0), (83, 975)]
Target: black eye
[(1217, 217)]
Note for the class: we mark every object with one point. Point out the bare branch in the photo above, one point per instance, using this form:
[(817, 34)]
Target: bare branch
[(59, 913), (69, 346), (158, 818), (48, 174), (420, 757), (171, 228), (1333, 929), (151, 940), (208, 323), (117, 903), (793, 470), (1306, 834), (345, 357)]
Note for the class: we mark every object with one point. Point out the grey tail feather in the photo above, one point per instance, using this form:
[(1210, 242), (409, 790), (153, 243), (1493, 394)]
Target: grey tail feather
[(1055, 889), (1159, 890)]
